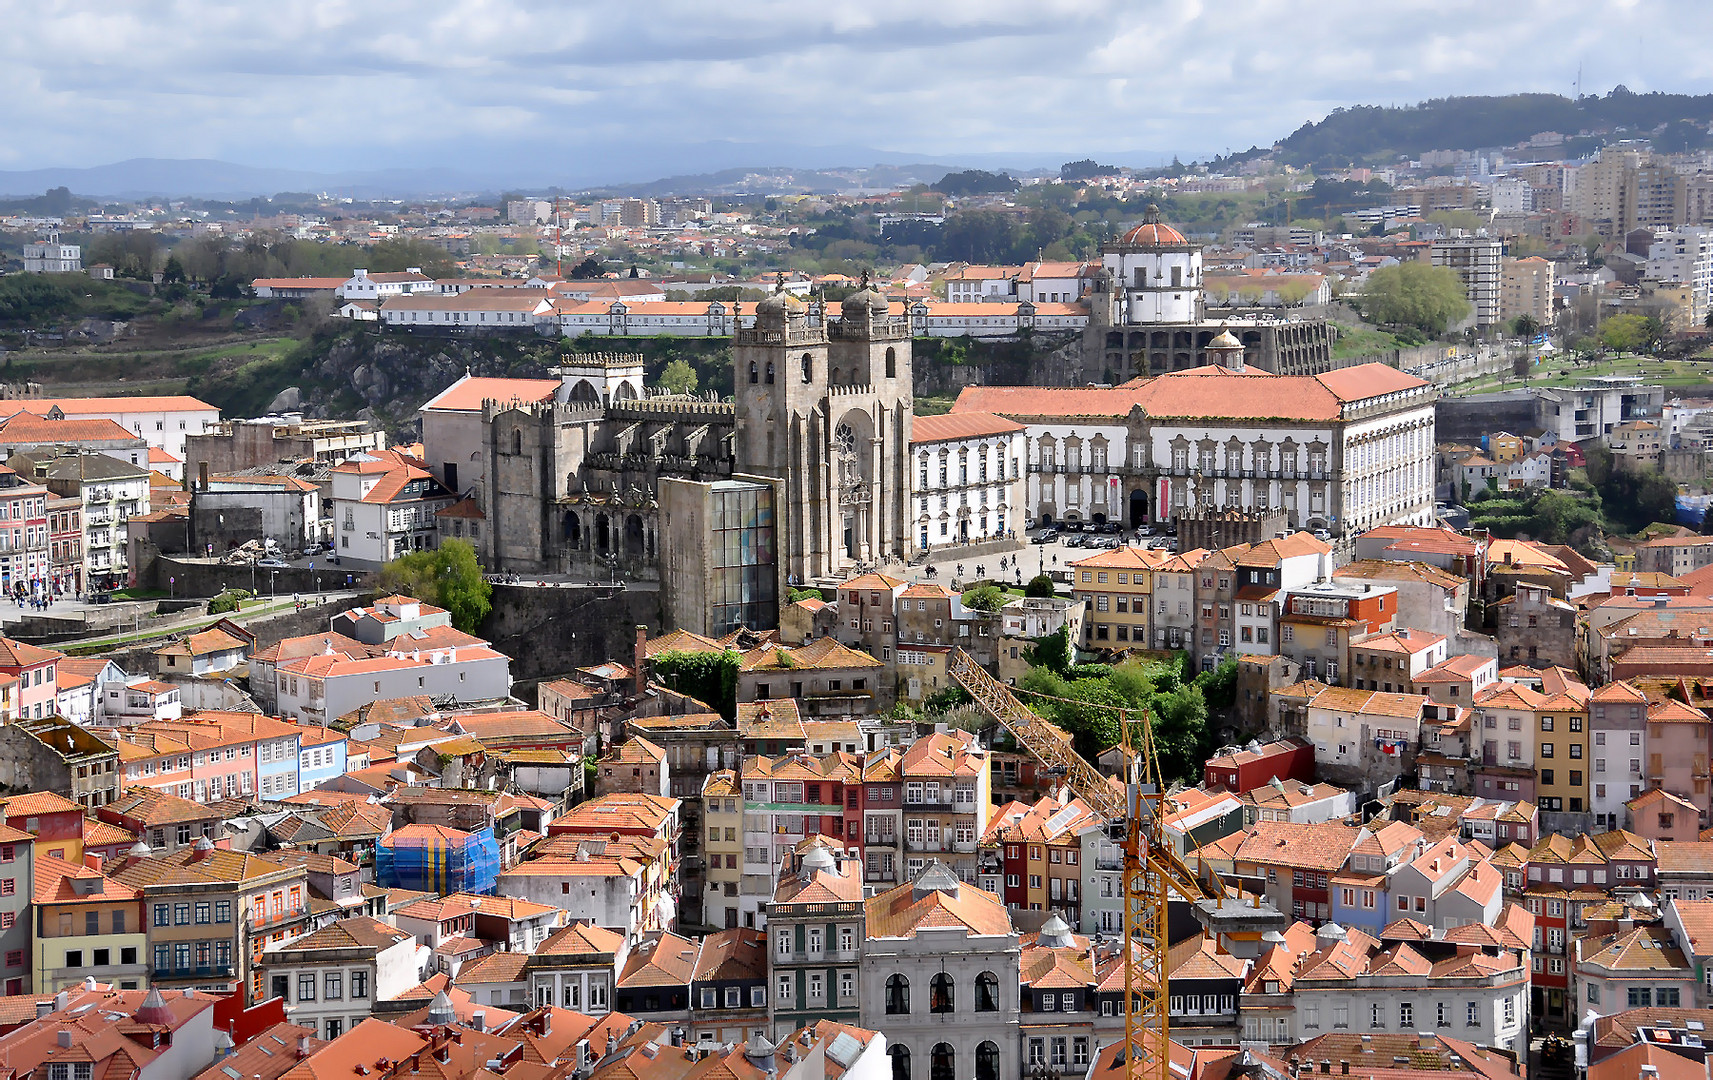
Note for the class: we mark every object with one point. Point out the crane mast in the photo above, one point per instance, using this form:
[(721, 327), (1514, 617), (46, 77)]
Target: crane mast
[(1151, 869)]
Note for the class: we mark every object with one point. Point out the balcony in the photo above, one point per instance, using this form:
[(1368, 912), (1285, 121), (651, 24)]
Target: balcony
[(946, 845), (888, 840), (922, 802), (203, 971), (1113, 862)]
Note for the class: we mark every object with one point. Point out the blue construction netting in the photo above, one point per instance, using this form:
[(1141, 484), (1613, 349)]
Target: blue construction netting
[(445, 861)]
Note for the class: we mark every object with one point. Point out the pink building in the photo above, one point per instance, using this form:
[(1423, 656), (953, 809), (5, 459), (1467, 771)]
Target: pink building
[(35, 669), (207, 756), (1677, 752)]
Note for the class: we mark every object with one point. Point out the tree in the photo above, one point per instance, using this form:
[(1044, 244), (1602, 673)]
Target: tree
[(975, 182), (448, 576), (984, 598), (1626, 333), (1041, 587), (587, 270), (1429, 298), (678, 377), (1526, 327)]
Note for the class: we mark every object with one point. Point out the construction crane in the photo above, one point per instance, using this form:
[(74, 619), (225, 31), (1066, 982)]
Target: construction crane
[(1151, 869)]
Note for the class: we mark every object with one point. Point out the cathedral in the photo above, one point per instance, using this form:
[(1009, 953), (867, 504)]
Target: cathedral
[(826, 409), (566, 473)]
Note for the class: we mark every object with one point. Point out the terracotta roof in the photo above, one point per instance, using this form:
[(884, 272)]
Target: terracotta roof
[(468, 393), (900, 912), (268, 1055), (580, 939), (668, 960), (1310, 847), (149, 807), (962, 425), (739, 953), (823, 653), (357, 932)]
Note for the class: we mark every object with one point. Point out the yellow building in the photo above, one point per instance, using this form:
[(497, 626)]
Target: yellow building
[(87, 925), (1117, 585), (1502, 446), (722, 817)]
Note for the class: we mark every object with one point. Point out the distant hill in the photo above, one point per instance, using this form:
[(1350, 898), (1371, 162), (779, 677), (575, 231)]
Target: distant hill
[(1375, 134)]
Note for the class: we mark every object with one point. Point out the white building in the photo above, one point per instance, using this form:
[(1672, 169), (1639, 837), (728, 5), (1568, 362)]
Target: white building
[(52, 257), (162, 422), (1685, 255), (528, 211), (480, 309), (321, 688), (383, 506), (331, 979), (362, 285), (969, 478), (1157, 274), (1353, 982), (1343, 451)]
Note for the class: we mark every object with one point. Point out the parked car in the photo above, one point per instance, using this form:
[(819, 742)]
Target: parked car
[(271, 563), (312, 551)]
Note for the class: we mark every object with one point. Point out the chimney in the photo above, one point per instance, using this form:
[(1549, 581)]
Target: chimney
[(1344, 1068), (64, 1039), (92, 861), (43, 1008), (479, 1020), (302, 1047), (202, 476), (641, 656), (443, 1053)]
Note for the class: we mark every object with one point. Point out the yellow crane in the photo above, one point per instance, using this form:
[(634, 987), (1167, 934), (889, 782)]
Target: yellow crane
[(1151, 869)]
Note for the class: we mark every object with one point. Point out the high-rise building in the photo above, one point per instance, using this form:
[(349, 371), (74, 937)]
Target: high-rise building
[(1525, 288), (1476, 260)]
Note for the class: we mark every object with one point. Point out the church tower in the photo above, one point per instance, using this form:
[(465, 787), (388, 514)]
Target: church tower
[(827, 409)]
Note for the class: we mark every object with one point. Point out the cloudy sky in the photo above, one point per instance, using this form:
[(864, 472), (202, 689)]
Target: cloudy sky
[(652, 85)]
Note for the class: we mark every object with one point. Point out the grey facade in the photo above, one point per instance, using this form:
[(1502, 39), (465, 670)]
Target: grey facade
[(53, 754), (926, 986)]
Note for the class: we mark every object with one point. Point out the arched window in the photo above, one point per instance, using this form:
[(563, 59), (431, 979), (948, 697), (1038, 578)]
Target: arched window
[(940, 994), (987, 1061), (987, 992), (808, 368), (769, 373), (891, 363), (943, 1062), (900, 1055), (898, 996), (754, 371), (517, 442)]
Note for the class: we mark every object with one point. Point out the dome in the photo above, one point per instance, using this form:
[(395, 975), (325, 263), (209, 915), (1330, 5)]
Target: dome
[(1055, 934), (867, 302), (1153, 234), (777, 305), (1225, 340)]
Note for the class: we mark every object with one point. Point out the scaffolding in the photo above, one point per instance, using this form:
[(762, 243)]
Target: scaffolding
[(439, 860)]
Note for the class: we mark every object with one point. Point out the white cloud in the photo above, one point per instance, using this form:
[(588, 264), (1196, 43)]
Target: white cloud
[(335, 85)]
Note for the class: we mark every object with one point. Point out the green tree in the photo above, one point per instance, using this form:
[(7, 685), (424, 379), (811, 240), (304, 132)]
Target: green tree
[(587, 270), (1219, 684), (984, 598), (1052, 652), (1041, 586), (448, 576), (678, 377), (1526, 327), (1624, 333), (1428, 298)]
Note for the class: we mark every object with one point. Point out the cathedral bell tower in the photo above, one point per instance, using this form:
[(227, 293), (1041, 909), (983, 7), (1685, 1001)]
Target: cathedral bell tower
[(827, 409)]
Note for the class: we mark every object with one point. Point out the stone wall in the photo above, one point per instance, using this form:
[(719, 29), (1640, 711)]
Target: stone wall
[(207, 577), (551, 629), (1467, 419)]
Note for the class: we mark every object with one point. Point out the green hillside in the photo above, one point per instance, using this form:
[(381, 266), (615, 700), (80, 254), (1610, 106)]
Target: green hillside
[(1374, 133)]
